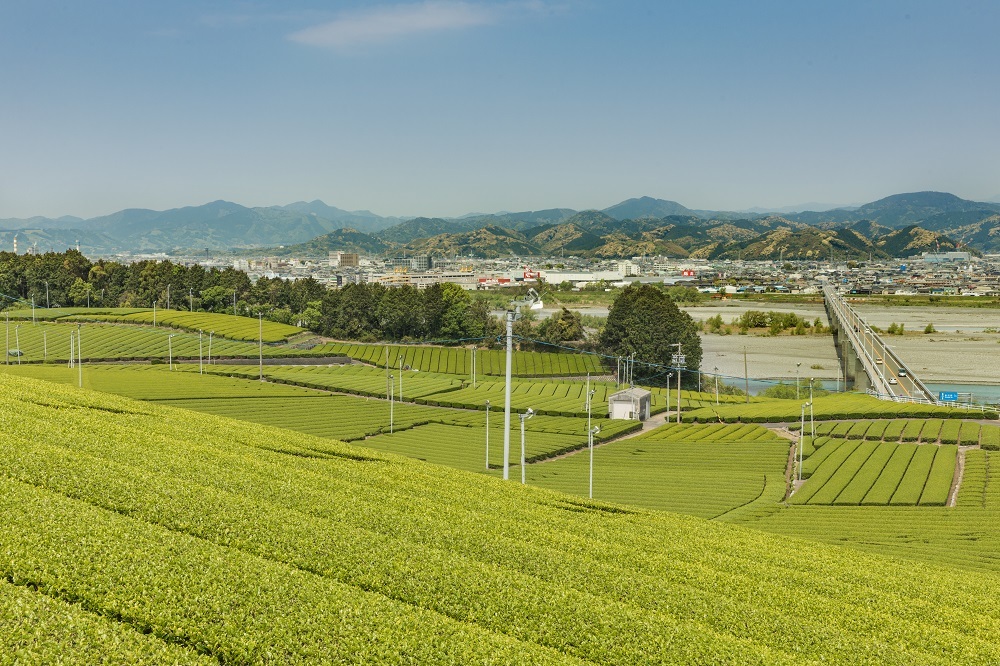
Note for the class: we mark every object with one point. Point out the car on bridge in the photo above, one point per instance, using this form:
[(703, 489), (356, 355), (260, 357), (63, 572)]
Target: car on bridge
[(902, 372), (892, 380)]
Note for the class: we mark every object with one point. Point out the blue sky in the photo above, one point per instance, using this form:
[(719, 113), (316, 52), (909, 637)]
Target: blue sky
[(444, 108)]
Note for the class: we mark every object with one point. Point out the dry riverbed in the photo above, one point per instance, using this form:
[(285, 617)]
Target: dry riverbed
[(959, 352)]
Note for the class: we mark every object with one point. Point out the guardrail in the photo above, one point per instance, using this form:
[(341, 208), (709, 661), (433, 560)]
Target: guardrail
[(938, 403)]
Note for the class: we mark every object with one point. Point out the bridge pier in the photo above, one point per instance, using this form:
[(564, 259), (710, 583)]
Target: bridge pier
[(850, 364), (872, 363)]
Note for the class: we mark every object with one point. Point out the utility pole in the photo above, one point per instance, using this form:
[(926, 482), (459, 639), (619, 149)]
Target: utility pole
[(812, 421), (191, 299), (524, 417), (168, 296), (513, 313), (201, 367), (746, 377), (679, 363), (590, 442), (79, 353), (669, 377)]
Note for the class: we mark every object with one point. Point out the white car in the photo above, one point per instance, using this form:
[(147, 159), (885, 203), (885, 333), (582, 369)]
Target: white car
[(892, 380)]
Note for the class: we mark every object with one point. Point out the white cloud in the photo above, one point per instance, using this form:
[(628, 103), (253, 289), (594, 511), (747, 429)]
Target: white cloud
[(391, 21)]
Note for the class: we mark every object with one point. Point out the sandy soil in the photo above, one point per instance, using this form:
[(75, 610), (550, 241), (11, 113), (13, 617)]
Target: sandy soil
[(770, 357), (968, 356), (732, 310), (949, 320), (956, 357)]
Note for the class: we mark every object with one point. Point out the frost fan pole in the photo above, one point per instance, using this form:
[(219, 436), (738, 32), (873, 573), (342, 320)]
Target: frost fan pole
[(79, 354), (513, 312), (506, 397)]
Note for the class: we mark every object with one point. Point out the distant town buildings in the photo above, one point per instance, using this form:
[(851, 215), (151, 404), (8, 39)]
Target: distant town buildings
[(945, 273), (344, 260), (941, 257)]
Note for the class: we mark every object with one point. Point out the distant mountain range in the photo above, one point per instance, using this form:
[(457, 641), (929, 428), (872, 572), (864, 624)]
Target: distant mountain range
[(894, 226)]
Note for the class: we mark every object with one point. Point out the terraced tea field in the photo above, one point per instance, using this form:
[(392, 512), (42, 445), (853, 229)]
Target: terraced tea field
[(964, 536), (831, 407), (226, 326), (561, 397), (464, 447), (50, 342), (356, 379), (854, 472), (317, 413), (209, 538), (878, 470), (704, 471), (458, 360), (23, 314)]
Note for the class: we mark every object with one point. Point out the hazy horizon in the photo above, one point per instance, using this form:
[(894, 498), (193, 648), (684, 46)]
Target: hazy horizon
[(442, 107), (811, 207)]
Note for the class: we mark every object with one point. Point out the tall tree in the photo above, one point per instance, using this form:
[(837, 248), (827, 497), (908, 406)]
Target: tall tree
[(645, 321), (563, 326)]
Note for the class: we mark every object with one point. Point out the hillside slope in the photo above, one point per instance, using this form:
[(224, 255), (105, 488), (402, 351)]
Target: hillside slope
[(167, 535)]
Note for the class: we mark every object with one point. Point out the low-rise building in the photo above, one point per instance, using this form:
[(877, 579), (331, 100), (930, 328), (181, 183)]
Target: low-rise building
[(633, 403)]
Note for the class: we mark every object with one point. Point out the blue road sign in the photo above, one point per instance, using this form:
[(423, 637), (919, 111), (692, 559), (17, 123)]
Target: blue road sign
[(947, 396)]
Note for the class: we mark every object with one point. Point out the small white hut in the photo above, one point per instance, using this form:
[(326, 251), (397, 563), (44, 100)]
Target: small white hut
[(632, 403)]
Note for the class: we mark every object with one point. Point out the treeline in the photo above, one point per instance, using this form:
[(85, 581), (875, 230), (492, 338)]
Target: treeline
[(441, 312), (69, 279), (774, 322), (373, 312), (363, 312)]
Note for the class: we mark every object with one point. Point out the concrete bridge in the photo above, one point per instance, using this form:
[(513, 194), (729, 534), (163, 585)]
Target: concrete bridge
[(866, 359)]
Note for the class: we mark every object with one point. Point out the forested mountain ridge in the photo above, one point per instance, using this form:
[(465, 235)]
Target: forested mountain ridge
[(636, 226)]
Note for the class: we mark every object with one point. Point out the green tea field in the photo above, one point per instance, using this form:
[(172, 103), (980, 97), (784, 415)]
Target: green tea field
[(685, 469), (139, 533), (223, 325), (50, 342)]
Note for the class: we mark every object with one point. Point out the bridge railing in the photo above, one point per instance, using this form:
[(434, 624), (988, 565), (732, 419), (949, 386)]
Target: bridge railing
[(842, 311), (937, 403), (849, 318)]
